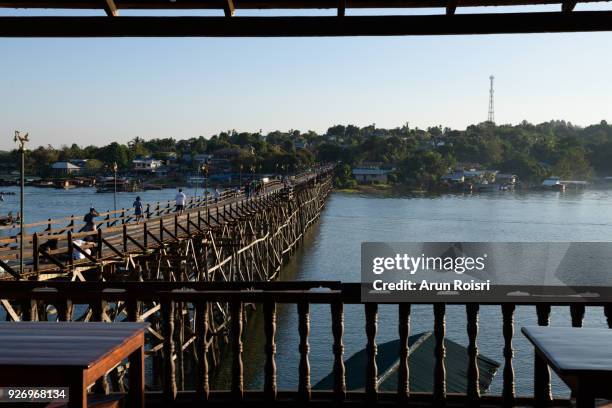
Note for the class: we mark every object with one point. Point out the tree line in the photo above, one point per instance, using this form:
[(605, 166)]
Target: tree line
[(419, 156)]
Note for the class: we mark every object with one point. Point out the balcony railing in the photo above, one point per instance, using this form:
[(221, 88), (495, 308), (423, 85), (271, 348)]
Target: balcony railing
[(196, 301)]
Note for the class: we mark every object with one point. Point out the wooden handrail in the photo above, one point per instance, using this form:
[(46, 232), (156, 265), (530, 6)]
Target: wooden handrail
[(336, 294)]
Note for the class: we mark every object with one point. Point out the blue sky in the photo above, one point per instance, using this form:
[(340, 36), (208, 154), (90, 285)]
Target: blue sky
[(94, 91)]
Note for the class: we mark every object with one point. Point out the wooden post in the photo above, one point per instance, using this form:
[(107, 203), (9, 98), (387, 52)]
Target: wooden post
[(439, 386), (170, 390), (371, 374), (145, 233), (403, 373), (473, 384), (202, 387), (577, 313), (508, 392), (161, 230), (337, 313), (35, 252), (270, 351), (237, 366), (125, 238), (541, 376), (70, 249), (304, 368), (99, 246)]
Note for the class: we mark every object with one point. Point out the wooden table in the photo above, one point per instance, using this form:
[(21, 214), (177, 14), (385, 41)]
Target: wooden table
[(70, 354), (581, 357)]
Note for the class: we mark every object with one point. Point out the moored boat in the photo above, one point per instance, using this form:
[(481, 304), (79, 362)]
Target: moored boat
[(110, 185), (420, 359)]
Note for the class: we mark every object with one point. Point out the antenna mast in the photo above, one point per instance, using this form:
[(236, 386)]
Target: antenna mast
[(491, 117)]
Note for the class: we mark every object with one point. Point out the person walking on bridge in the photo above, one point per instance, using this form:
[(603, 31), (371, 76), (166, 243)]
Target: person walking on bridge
[(180, 199), (88, 219), (137, 209)]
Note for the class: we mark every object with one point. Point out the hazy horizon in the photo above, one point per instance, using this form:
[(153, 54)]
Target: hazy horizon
[(95, 91)]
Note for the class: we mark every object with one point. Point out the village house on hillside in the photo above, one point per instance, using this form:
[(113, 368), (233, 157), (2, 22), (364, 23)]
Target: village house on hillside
[(65, 168), (371, 175), (148, 165)]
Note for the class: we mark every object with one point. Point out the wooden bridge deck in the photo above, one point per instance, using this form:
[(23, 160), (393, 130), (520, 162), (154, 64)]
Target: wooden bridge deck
[(50, 246)]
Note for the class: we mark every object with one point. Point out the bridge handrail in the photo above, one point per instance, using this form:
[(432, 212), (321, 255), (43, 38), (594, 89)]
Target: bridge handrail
[(125, 213), (119, 234)]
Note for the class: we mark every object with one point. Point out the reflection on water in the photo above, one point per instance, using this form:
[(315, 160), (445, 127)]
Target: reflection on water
[(332, 252)]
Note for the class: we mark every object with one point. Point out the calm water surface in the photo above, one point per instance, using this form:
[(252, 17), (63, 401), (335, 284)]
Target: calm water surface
[(331, 252)]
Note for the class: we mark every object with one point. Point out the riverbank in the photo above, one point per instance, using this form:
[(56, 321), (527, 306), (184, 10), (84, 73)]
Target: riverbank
[(387, 190)]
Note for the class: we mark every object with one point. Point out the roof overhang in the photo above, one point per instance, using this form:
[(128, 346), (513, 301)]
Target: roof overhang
[(379, 23)]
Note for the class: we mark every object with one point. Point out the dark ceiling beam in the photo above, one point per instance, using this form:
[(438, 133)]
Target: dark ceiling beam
[(341, 8), (451, 7), (568, 6), (110, 8), (228, 8), (268, 4), (497, 23)]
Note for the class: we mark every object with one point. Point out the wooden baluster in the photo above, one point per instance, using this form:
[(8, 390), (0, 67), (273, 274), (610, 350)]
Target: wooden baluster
[(169, 369), (403, 371), (179, 343), (98, 311), (337, 314), (270, 351), (132, 309), (304, 370), (439, 388), (371, 383), (237, 366), (508, 393), (473, 385), (202, 387), (541, 377), (608, 314), (577, 313), (64, 310), (29, 310)]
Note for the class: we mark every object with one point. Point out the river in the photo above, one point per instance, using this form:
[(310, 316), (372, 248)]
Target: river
[(332, 252)]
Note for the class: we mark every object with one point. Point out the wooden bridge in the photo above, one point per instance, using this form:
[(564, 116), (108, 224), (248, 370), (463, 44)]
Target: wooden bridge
[(235, 237)]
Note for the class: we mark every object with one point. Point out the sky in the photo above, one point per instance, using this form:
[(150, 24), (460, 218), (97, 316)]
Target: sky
[(95, 91)]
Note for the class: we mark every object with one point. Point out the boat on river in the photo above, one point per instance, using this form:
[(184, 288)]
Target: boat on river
[(421, 367), (553, 183), (122, 185)]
